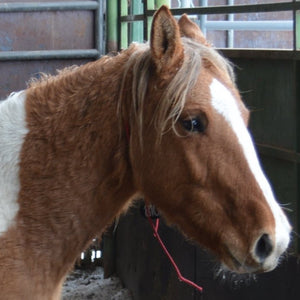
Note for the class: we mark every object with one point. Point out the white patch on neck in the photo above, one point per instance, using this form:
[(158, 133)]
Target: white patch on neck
[(12, 132), (225, 104)]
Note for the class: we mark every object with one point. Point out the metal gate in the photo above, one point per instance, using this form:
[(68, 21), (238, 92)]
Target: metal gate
[(44, 36)]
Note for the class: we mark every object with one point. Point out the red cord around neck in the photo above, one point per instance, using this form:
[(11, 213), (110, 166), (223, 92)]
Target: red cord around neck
[(155, 226), (156, 234)]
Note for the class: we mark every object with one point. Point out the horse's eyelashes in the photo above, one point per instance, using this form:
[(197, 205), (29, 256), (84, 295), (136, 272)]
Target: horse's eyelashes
[(195, 124)]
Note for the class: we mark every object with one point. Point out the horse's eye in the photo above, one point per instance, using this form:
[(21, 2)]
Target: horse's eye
[(196, 124)]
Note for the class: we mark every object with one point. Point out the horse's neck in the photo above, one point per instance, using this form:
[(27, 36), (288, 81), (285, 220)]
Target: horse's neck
[(77, 113), (74, 169)]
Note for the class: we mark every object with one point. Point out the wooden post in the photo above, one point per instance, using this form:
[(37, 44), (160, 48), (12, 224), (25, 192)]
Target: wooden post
[(108, 252)]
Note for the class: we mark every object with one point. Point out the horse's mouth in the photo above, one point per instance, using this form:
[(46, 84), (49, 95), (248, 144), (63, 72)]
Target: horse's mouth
[(234, 264), (235, 261)]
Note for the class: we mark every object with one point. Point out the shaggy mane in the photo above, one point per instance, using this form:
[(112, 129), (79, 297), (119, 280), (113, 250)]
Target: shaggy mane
[(173, 100), (44, 77), (135, 78)]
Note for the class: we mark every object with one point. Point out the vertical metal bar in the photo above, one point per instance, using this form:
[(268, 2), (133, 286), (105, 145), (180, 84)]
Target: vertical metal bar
[(230, 33), (137, 30), (185, 3), (296, 15), (99, 27), (119, 23), (159, 3), (112, 25), (203, 18), (296, 27), (148, 4), (124, 25), (297, 30), (297, 112)]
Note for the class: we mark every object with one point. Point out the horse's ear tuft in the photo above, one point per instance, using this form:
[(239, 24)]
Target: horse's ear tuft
[(165, 43), (191, 30)]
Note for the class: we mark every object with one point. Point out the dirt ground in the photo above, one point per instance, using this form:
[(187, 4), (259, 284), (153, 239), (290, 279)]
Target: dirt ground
[(81, 285)]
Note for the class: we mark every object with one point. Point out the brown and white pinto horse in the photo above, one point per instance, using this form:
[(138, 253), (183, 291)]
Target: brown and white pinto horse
[(68, 168)]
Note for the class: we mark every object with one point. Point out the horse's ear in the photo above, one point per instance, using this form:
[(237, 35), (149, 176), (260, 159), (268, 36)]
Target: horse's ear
[(191, 30), (165, 43)]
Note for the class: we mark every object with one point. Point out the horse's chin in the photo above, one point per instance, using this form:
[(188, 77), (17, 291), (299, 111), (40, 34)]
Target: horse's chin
[(235, 262), (240, 269), (232, 279), (233, 265)]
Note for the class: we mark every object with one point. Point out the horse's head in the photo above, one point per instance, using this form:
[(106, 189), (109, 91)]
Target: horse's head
[(191, 152)]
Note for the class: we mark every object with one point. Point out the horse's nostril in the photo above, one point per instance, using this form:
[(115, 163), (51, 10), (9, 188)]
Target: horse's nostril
[(264, 247)]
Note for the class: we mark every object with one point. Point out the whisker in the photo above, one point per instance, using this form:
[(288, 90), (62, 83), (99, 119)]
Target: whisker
[(285, 204), (295, 233), (246, 92), (287, 209), (233, 280)]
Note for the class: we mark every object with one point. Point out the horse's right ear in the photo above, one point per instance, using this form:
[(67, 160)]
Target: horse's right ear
[(165, 43), (191, 30)]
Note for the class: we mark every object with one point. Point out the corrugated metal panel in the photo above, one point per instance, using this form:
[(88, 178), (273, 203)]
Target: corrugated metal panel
[(46, 30), (15, 74)]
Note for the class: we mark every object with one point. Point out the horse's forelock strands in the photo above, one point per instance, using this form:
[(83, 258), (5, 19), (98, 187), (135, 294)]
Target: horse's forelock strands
[(138, 70)]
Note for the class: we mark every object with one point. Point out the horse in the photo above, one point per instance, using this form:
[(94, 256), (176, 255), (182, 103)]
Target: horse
[(162, 121)]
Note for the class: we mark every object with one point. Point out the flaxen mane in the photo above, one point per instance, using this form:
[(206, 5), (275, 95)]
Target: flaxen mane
[(137, 74)]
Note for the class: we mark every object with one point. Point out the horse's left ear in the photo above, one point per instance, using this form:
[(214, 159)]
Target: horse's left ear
[(165, 43), (191, 30)]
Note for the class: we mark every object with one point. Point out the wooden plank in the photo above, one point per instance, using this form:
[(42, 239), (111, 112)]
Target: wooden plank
[(267, 87)]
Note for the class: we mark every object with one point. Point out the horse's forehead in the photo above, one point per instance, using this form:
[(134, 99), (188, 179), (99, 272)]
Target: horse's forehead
[(208, 89), (227, 102)]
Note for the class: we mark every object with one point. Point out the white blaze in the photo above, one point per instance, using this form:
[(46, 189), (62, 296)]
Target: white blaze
[(12, 132), (225, 104)]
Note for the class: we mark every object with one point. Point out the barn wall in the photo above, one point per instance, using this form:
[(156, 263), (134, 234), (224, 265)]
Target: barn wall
[(269, 84), (14, 76), (48, 31), (145, 270)]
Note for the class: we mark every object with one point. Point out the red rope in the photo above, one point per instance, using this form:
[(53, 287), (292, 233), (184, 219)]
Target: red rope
[(156, 234)]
